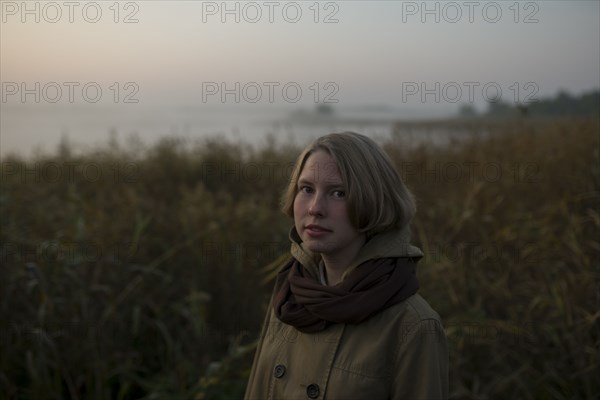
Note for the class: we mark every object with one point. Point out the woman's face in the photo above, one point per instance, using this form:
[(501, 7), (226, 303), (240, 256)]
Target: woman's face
[(321, 209)]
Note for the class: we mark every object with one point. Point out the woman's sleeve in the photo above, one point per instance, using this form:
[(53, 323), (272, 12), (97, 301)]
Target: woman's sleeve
[(421, 362)]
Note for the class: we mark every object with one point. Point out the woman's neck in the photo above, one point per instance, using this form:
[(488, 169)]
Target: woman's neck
[(336, 265)]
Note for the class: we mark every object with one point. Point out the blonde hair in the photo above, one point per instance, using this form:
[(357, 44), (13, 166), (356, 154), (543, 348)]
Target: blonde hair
[(378, 200)]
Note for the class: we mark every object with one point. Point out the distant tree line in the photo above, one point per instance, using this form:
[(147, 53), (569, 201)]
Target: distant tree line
[(563, 104)]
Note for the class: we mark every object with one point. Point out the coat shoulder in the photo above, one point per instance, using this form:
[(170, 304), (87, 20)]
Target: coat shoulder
[(411, 311), (421, 308)]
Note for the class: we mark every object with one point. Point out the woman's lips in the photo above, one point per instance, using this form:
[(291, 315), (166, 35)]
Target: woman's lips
[(316, 230)]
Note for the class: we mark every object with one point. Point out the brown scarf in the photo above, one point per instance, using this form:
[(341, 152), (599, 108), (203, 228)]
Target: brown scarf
[(306, 304)]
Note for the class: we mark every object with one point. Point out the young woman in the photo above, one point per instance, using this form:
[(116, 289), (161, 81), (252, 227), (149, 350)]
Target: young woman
[(345, 320)]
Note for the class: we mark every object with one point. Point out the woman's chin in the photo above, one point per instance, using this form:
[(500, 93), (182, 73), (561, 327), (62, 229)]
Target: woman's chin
[(317, 246)]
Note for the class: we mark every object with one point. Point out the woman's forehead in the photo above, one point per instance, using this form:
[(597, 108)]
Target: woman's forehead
[(321, 166)]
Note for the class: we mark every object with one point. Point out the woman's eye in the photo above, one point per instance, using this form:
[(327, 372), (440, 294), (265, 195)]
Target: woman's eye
[(339, 193), (306, 189)]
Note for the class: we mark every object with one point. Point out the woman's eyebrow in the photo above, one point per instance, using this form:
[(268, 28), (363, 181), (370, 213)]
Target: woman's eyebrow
[(328, 185), (304, 181)]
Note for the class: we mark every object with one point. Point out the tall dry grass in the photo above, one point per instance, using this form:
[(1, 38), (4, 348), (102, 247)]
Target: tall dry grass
[(144, 280)]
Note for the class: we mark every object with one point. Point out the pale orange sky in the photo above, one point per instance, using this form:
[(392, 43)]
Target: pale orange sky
[(171, 50), (373, 50)]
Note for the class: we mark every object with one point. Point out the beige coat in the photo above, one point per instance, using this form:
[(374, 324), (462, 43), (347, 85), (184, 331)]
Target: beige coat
[(399, 353)]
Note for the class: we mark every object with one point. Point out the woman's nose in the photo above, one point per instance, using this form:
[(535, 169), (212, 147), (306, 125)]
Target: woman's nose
[(316, 206)]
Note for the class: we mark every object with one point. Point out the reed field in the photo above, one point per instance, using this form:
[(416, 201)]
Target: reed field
[(133, 272)]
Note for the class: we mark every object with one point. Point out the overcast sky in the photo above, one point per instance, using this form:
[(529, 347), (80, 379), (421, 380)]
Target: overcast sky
[(396, 53), (369, 53)]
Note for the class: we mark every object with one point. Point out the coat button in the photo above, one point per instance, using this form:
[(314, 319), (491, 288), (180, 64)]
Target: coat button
[(279, 371), (312, 391)]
